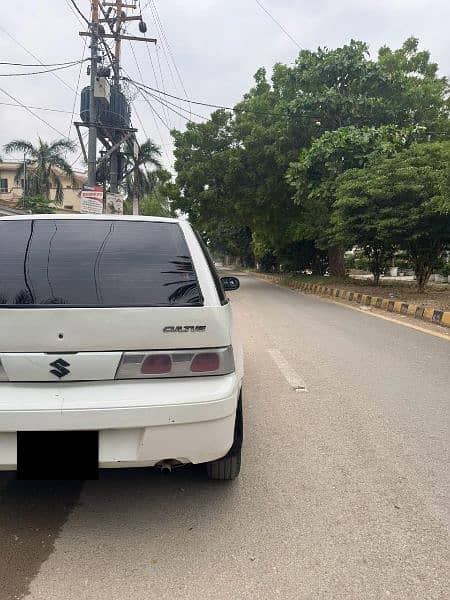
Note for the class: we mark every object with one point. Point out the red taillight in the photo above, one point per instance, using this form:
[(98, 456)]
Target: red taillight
[(156, 364), (205, 362)]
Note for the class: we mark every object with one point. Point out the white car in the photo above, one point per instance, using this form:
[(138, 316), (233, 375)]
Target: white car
[(119, 328)]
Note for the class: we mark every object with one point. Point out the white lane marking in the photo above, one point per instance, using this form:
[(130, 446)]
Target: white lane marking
[(291, 376)]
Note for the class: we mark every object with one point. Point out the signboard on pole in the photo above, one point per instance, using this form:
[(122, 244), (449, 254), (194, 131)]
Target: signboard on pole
[(114, 204), (92, 199)]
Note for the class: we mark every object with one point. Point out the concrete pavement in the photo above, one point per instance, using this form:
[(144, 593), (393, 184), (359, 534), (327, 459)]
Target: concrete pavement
[(344, 492)]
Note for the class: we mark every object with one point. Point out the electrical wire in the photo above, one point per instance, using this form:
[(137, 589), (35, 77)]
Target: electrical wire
[(75, 98), (83, 137), (13, 64), (57, 110), (85, 19), (32, 113), (152, 109), (162, 81), (45, 71), (279, 24), (35, 57), (168, 104), (169, 49), (217, 106), (152, 65)]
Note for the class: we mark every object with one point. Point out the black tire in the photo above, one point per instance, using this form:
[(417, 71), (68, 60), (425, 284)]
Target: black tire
[(228, 467), (224, 469)]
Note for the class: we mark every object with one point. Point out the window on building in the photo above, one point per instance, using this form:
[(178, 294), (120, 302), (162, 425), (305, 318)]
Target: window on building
[(3, 186)]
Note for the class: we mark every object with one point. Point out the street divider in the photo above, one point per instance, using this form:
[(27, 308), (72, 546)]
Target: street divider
[(431, 315)]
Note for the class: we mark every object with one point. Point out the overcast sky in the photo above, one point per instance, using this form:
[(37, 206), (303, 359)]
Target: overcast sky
[(217, 46)]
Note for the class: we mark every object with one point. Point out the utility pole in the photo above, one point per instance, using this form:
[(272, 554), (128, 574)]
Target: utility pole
[(92, 143), (24, 175), (136, 179), (112, 135), (114, 161)]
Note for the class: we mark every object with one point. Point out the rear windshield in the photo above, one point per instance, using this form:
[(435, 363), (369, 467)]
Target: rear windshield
[(95, 263)]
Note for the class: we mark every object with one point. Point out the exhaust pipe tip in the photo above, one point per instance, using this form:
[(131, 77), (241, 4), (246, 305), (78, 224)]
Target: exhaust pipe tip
[(166, 466)]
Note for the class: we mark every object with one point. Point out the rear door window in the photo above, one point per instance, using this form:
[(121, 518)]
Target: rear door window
[(95, 263)]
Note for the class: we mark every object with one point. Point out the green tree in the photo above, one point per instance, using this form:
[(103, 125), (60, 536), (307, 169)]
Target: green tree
[(140, 179), (402, 200), (35, 204), (314, 178), (45, 164), (232, 169)]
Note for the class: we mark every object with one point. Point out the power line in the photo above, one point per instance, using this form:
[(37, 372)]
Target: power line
[(13, 64), (77, 88), (153, 66), (158, 28), (279, 24), (218, 106), (85, 19), (152, 109), (169, 49), (35, 57), (162, 80), (168, 104), (43, 72), (32, 113), (57, 110)]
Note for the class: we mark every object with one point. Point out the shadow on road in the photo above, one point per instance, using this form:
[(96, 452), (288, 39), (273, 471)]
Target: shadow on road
[(32, 513), (31, 516)]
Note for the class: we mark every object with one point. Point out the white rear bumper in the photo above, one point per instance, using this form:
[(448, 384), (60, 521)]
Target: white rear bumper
[(140, 422)]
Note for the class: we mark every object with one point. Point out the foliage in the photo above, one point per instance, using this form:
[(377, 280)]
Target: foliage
[(155, 202), (35, 204), (315, 175), (44, 163), (402, 200), (271, 167), (139, 177)]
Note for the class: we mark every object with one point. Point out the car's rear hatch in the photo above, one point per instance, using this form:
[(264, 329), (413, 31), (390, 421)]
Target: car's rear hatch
[(84, 291)]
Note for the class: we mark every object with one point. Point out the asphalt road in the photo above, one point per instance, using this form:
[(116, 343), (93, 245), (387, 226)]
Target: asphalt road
[(344, 492)]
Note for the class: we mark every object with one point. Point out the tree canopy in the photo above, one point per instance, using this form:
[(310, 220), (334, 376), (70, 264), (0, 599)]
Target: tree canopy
[(268, 172)]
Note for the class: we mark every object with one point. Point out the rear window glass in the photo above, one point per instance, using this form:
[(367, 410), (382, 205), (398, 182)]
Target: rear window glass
[(95, 263)]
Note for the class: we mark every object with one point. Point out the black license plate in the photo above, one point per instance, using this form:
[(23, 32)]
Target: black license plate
[(57, 454)]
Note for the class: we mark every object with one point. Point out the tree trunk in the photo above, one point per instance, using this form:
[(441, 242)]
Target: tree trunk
[(376, 278), (422, 279), (336, 262)]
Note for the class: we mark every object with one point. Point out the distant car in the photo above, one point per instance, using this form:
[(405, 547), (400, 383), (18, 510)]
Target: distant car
[(121, 326)]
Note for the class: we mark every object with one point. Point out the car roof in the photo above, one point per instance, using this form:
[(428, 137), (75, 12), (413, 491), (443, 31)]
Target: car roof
[(90, 217)]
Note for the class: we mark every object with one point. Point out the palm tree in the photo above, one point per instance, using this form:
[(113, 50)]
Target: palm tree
[(44, 163), (139, 180)]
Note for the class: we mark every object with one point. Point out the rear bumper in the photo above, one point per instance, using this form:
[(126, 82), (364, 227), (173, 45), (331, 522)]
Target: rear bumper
[(140, 423)]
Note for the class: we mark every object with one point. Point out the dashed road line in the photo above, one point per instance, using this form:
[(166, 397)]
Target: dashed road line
[(291, 376)]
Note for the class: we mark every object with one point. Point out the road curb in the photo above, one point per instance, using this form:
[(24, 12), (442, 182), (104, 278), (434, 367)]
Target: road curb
[(430, 315)]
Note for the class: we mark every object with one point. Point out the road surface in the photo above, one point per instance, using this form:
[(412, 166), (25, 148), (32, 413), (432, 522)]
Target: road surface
[(344, 492)]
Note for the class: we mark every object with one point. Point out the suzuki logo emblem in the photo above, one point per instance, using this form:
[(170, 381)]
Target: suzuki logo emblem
[(59, 368)]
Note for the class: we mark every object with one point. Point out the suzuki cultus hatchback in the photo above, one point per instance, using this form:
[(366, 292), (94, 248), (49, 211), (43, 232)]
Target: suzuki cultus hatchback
[(118, 325)]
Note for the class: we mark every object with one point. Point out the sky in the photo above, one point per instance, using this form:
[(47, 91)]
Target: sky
[(208, 48)]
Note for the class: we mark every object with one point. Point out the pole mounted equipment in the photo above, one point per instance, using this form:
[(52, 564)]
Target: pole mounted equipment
[(104, 108)]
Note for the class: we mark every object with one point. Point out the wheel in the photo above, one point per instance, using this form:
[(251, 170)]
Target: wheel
[(228, 467)]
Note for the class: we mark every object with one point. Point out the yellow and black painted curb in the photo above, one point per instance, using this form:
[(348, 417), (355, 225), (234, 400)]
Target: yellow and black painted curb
[(431, 315)]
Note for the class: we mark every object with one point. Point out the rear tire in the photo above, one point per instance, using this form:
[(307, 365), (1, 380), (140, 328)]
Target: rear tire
[(224, 469), (228, 467)]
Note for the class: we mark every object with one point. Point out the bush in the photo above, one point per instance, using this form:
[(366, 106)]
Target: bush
[(445, 271), (362, 263)]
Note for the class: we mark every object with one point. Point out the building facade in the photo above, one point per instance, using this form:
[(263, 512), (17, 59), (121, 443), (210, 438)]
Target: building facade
[(11, 191)]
